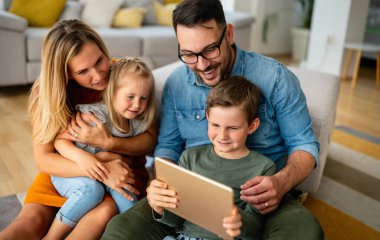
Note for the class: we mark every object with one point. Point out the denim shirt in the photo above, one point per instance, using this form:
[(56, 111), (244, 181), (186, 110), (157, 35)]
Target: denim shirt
[(285, 122)]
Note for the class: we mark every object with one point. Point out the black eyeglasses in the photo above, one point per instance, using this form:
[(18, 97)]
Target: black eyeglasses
[(207, 53)]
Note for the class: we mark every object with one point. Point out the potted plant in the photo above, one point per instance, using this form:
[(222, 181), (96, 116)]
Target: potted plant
[(300, 35)]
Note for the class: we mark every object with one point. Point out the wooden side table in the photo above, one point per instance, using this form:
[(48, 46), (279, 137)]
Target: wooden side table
[(359, 48)]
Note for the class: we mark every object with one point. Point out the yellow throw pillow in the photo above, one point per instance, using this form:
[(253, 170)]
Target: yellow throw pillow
[(164, 13), (129, 17), (171, 1), (39, 13)]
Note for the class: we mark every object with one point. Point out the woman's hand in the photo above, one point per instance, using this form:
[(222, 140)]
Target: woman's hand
[(80, 130), (233, 223), (120, 178), (159, 196)]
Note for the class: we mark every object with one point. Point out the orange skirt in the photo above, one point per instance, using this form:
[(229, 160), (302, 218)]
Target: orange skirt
[(42, 191)]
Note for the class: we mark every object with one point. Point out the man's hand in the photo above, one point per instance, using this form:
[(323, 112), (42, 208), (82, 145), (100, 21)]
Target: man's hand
[(233, 223), (120, 178), (263, 192), (159, 196)]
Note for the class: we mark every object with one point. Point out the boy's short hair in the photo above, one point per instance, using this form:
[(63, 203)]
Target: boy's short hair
[(235, 91)]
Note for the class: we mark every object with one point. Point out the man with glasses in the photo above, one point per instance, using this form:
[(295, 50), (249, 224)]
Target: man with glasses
[(206, 46)]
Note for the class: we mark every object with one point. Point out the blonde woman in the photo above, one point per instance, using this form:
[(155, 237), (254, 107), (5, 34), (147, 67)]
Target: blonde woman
[(75, 68), (127, 111)]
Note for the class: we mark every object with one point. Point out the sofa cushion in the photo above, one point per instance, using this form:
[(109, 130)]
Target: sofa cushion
[(73, 10), (149, 18), (121, 42), (164, 13), (157, 40), (129, 18), (99, 13), (39, 13), (34, 41)]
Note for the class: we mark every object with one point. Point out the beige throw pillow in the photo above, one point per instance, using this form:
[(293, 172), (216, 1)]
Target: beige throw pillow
[(99, 13)]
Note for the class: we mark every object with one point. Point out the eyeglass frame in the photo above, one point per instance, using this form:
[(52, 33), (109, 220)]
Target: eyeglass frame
[(217, 46)]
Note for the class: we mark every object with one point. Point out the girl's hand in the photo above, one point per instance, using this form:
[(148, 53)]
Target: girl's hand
[(120, 177), (233, 223), (159, 196), (81, 131), (94, 169)]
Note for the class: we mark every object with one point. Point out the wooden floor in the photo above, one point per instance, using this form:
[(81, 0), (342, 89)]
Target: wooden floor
[(358, 109)]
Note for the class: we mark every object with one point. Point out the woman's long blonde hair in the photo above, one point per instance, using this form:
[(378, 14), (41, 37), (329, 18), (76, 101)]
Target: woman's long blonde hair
[(49, 98), (119, 70)]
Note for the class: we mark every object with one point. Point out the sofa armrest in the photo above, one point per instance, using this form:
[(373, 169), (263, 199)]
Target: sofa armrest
[(12, 49), (12, 22), (239, 19), (242, 23), (321, 91)]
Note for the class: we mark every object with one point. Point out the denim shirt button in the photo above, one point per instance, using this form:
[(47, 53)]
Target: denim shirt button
[(198, 117)]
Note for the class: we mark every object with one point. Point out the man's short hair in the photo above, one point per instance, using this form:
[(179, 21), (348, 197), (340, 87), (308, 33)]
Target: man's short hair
[(190, 13), (235, 91)]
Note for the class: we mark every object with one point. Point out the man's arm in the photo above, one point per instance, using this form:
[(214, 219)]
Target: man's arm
[(294, 121), (170, 142), (99, 136), (300, 165)]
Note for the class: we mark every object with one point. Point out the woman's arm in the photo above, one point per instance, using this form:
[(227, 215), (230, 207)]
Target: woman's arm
[(85, 160), (50, 162), (99, 136)]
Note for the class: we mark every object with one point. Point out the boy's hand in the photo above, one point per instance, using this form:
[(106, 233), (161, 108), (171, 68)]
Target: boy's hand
[(94, 169), (233, 223), (159, 196)]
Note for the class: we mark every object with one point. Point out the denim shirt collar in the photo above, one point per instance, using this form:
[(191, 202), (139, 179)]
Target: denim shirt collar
[(237, 69)]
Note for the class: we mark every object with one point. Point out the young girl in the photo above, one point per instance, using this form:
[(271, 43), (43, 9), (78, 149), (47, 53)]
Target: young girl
[(127, 110)]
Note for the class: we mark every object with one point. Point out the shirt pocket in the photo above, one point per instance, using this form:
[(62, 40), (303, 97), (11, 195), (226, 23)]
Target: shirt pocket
[(192, 123)]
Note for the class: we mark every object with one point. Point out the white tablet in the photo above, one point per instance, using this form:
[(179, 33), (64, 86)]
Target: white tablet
[(203, 201)]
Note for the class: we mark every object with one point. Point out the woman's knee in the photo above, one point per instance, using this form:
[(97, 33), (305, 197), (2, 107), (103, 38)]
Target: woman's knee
[(106, 210)]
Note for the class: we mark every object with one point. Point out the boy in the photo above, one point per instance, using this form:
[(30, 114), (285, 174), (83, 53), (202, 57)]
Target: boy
[(232, 115)]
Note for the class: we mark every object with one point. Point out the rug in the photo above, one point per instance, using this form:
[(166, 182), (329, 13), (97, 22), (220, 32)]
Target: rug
[(10, 206), (347, 202)]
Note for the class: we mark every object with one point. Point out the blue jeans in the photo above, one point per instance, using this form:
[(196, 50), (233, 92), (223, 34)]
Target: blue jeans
[(82, 195)]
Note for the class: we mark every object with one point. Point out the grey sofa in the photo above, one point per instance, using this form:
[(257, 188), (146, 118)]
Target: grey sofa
[(20, 45), (321, 92)]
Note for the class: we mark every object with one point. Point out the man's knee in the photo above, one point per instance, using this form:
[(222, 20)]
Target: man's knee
[(292, 221)]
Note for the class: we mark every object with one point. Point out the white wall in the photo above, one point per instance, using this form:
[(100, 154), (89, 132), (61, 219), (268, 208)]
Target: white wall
[(279, 32), (333, 24)]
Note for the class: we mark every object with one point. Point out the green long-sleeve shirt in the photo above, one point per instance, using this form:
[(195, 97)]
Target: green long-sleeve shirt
[(233, 173)]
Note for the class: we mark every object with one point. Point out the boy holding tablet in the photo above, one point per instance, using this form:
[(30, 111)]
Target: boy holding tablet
[(232, 115)]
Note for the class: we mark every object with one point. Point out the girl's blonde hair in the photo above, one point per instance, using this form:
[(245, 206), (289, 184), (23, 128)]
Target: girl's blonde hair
[(49, 108), (121, 68)]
